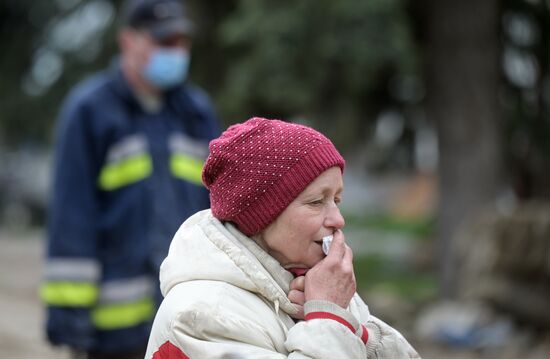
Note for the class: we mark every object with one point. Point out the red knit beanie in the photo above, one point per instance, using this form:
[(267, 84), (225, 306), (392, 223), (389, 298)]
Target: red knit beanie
[(257, 168)]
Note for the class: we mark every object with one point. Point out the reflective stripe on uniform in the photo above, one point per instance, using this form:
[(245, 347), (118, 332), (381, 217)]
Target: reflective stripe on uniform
[(69, 294), (126, 172), (122, 315), (124, 303), (127, 290), (128, 161), (119, 303), (186, 168), (127, 147), (72, 269), (179, 143), (187, 157), (70, 282)]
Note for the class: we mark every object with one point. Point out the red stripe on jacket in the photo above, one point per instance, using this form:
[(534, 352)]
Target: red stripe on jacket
[(364, 334), (326, 315), (169, 351)]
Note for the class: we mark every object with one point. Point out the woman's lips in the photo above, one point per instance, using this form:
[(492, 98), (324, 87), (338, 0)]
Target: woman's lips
[(325, 243)]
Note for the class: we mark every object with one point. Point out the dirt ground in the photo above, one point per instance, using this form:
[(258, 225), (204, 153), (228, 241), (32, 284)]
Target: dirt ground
[(22, 318)]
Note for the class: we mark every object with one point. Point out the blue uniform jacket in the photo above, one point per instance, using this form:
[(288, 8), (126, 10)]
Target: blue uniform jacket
[(124, 180)]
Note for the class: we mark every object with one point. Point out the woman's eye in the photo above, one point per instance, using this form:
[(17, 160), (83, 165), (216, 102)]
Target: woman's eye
[(316, 202)]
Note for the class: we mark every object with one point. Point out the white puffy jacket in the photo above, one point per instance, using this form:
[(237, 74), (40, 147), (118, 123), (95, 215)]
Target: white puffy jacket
[(227, 298)]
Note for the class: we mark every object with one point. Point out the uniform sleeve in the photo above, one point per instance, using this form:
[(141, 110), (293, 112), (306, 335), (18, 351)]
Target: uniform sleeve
[(72, 270), (209, 124)]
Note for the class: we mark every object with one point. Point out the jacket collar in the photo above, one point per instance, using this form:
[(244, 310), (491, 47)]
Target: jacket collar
[(234, 259), (120, 84), (279, 274), (271, 279)]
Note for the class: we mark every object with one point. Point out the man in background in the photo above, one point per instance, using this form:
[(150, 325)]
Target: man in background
[(130, 146)]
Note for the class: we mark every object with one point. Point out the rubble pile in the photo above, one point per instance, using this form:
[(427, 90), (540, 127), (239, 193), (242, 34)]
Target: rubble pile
[(504, 259)]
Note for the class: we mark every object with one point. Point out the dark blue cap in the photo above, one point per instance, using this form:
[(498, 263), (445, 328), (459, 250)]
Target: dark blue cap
[(161, 18)]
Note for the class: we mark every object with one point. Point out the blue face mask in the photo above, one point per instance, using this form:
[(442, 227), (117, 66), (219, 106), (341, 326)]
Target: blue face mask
[(167, 67)]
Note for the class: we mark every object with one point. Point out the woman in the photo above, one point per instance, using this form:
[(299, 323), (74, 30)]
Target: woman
[(248, 278)]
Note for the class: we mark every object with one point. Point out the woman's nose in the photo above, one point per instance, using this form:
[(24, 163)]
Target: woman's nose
[(334, 218)]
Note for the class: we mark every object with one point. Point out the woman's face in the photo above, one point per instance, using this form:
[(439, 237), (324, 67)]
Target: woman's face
[(295, 238)]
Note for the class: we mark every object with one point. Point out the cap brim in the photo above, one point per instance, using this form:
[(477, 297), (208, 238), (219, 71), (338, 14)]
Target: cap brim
[(165, 29)]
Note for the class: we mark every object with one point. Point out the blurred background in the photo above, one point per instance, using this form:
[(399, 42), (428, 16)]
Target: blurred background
[(441, 108)]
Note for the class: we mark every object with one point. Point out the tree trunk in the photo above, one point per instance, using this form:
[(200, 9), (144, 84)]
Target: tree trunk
[(462, 75)]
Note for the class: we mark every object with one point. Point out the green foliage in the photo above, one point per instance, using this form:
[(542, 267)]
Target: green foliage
[(382, 255), (420, 228), (524, 95), (313, 59), (321, 61), (377, 273), (17, 32), (28, 30)]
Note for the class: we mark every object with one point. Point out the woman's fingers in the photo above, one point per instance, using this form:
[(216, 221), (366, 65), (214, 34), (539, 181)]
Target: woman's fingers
[(338, 246), (347, 262), (298, 283), (300, 314), (333, 278), (297, 297)]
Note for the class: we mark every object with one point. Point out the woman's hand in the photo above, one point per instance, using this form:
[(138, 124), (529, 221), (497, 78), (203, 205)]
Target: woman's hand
[(297, 296), (333, 278)]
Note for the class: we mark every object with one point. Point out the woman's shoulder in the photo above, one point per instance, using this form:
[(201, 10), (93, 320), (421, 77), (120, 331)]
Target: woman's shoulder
[(199, 307), (215, 298)]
